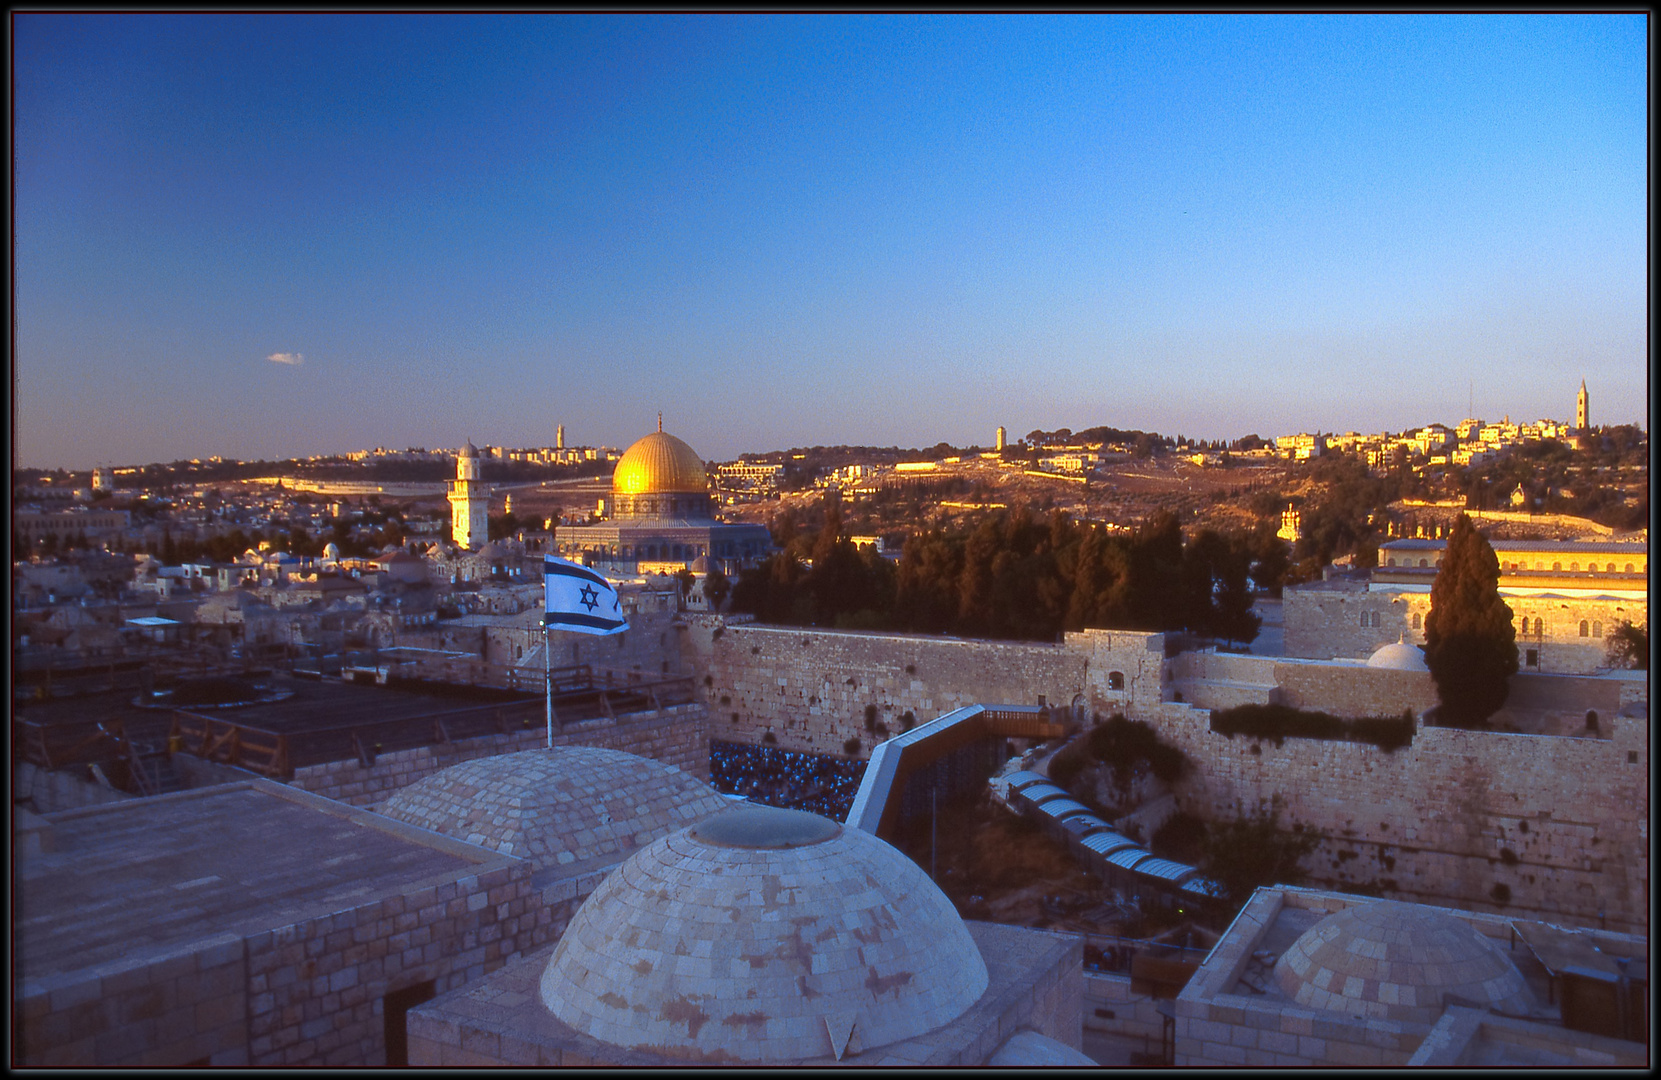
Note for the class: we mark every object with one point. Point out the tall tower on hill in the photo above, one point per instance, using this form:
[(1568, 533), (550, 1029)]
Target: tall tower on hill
[(469, 501), (1582, 409)]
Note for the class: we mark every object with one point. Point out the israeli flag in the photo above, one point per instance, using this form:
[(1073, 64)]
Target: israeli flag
[(580, 600)]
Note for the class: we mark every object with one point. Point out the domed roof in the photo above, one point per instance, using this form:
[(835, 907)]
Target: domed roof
[(469, 450), (764, 935), (558, 807), (660, 463), (1400, 656), (1396, 961)]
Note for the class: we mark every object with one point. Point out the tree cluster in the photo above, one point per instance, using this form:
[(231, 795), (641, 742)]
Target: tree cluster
[(1011, 576)]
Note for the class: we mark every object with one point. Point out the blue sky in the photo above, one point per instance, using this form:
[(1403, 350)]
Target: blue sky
[(273, 235)]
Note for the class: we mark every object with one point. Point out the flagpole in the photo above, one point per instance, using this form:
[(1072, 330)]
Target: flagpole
[(548, 681)]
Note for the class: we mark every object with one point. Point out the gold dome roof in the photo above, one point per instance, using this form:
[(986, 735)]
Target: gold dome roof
[(659, 463)]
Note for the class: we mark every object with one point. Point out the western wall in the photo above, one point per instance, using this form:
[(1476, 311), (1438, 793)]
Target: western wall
[(1558, 820)]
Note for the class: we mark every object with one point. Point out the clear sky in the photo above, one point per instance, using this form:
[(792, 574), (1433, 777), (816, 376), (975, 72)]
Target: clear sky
[(273, 235)]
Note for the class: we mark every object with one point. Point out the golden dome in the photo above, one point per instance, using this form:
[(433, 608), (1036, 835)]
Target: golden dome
[(660, 463)]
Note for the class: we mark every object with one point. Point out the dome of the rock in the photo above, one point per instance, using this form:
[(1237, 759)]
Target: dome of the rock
[(1394, 961), (563, 807), (660, 464), (763, 935)]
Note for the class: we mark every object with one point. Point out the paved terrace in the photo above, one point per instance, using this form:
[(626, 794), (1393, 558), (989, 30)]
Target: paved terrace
[(146, 877)]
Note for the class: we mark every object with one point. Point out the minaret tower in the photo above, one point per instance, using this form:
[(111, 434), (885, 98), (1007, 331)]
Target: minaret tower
[(469, 501), (1582, 409)]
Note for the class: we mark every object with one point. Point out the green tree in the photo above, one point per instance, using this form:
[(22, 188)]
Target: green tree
[(1628, 647), (1470, 637), (716, 588)]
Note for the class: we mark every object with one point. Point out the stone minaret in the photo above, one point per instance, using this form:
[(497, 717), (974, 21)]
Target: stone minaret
[(469, 502), (1003, 437)]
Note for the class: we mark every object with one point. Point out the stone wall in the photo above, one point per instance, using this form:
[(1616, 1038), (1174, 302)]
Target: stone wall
[(153, 1011), (1131, 1013), (1560, 822), (315, 988), (1326, 622), (47, 790), (810, 688), (677, 735)]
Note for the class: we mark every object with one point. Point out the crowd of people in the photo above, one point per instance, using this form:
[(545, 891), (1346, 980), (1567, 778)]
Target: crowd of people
[(788, 778)]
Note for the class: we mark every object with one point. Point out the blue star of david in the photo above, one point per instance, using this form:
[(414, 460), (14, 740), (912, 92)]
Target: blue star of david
[(590, 598)]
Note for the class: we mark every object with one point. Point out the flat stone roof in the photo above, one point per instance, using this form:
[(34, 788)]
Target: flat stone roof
[(116, 882)]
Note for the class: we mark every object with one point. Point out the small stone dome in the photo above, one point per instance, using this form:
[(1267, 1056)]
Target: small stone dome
[(1394, 961), (660, 464), (468, 450), (1399, 656), (557, 808), (764, 935)]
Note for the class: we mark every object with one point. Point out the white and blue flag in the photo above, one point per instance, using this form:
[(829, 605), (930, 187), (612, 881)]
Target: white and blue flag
[(580, 600)]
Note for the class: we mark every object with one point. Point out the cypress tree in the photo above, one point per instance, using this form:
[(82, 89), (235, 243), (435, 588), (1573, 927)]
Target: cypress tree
[(1470, 639)]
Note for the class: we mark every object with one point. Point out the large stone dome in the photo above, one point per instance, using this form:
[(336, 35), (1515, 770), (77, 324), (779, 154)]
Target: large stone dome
[(764, 935), (660, 464), (557, 808), (1394, 961)]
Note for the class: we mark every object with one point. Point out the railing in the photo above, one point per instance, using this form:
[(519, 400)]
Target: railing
[(1111, 953)]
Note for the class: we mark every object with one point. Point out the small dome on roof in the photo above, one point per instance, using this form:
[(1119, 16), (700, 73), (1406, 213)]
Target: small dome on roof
[(1394, 961), (468, 450), (559, 807), (1399, 656)]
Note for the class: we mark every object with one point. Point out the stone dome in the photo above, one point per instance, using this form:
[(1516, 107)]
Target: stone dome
[(764, 935), (660, 463), (468, 450), (1394, 961), (1399, 656), (557, 808)]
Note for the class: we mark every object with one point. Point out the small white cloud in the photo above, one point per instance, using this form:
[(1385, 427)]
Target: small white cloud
[(286, 358)]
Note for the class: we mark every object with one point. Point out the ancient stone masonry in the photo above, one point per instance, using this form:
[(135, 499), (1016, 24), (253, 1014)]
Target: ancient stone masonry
[(1568, 634), (248, 924), (811, 689), (1559, 822), (676, 735)]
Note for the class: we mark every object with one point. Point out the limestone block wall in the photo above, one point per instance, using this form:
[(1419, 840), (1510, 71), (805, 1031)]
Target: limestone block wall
[(1124, 669), (47, 790), (677, 735), (1560, 822), (1131, 1013), (810, 688), (315, 987), (152, 1011), (1323, 623)]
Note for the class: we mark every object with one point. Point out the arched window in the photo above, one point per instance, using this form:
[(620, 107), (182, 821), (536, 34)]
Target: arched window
[(1415, 620), (1611, 568), (1539, 626), (1423, 563), (1574, 566), (1597, 629), (1557, 566), (1584, 628), (1392, 560), (1629, 568), (1115, 680)]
